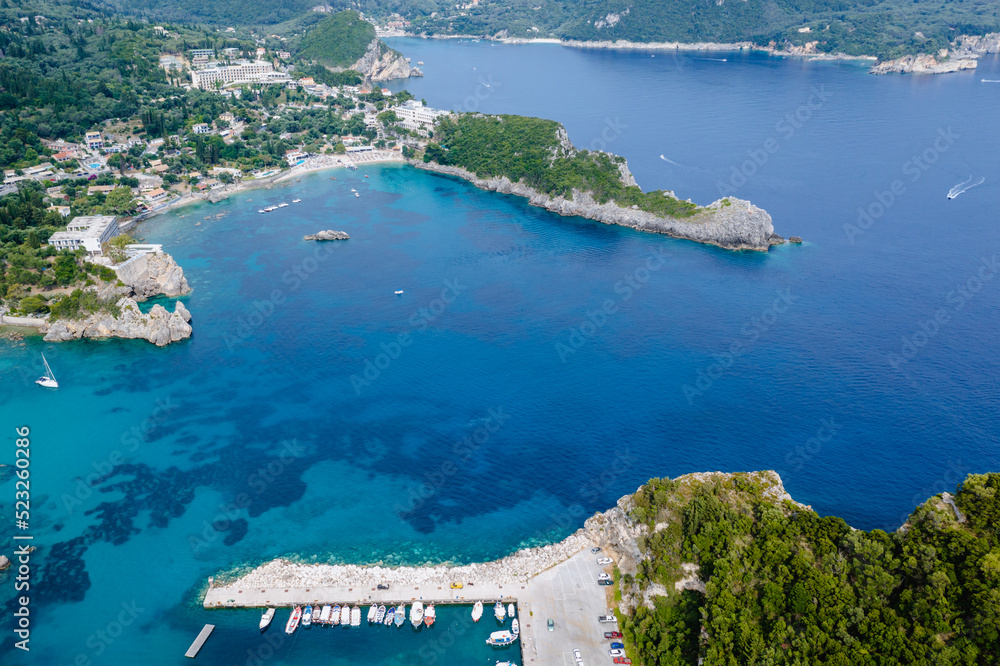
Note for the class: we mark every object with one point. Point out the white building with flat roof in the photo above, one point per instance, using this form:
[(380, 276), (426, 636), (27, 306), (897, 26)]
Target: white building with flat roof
[(414, 115), (89, 232), (242, 72)]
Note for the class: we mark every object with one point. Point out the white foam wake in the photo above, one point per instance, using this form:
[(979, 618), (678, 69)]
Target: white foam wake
[(963, 186)]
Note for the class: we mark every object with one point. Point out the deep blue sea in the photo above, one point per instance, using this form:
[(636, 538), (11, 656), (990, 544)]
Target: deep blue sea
[(536, 368)]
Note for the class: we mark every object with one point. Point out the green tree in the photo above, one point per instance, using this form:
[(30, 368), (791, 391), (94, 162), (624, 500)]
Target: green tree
[(119, 201)]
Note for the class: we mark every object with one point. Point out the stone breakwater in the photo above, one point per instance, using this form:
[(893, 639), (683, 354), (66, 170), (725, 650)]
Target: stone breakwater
[(613, 530), (159, 326), (738, 225)]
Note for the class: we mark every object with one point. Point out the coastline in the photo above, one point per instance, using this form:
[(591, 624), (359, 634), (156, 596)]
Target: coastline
[(963, 56), (736, 225)]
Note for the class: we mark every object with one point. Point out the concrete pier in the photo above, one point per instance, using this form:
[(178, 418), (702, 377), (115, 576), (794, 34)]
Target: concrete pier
[(199, 641), (567, 592)]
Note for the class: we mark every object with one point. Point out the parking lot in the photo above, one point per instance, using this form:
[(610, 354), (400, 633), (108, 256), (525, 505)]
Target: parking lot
[(569, 594)]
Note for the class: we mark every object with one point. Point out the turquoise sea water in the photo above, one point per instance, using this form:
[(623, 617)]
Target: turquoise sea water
[(535, 367)]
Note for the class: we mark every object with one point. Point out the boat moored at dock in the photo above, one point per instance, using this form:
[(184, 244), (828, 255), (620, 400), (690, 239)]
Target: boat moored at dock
[(499, 612), (510, 609), (477, 611), (335, 615), (400, 615), (293, 620), (345, 616), (503, 637), (417, 613), (380, 614), (372, 612), (355, 617), (307, 616), (265, 619), (326, 614), (390, 616), (430, 615)]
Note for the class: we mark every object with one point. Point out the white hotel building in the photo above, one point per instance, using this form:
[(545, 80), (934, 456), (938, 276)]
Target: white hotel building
[(89, 232), (414, 115), (258, 71)]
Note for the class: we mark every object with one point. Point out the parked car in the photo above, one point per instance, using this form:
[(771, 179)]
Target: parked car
[(618, 646), (616, 653), (551, 625), (604, 576), (607, 618), (612, 634), (605, 581), (578, 656), (622, 660), (604, 561), (595, 550), (383, 586), (457, 585)]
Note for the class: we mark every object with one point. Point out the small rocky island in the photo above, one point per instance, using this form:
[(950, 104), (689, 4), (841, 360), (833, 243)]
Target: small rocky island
[(533, 158), (327, 235)]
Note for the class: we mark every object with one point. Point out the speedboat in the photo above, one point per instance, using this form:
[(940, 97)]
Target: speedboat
[(261, 210), (345, 616), (265, 619), (416, 613), (390, 615), (335, 616), (477, 611), (307, 616), (398, 292), (282, 205), (296, 200), (324, 616), (293, 620), (510, 610), (355, 617), (429, 615), (357, 195), (48, 380), (515, 628), (501, 638), (380, 615), (353, 190), (400, 615), (372, 611), (499, 612)]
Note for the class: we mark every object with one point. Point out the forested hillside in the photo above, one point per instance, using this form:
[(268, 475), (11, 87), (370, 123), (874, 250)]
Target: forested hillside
[(338, 40), (786, 586)]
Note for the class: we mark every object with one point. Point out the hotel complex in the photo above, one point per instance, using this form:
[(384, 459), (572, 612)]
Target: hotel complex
[(258, 71), (414, 115), (89, 232)]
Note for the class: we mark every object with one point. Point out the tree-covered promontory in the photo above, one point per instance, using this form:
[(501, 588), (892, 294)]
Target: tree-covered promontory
[(778, 584)]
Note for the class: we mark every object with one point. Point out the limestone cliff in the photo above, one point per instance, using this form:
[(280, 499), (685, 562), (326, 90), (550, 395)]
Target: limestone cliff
[(733, 224), (924, 64), (159, 326), (380, 63), (157, 274)]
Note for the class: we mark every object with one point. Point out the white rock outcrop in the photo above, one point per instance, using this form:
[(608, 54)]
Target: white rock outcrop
[(159, 326), (326, 235), (163, 276)]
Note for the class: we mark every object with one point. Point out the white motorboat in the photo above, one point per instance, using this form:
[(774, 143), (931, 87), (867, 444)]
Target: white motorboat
[(399, 292), (380, 614), (265, 619), (261, 210), (515, 627), (357, 195), (372, 612), (416, 613), (335, 615), (510, 610), (307, 616), (400, 615), (282, 205), (499, 612), (477, 611), (48, 380), (345, 615), (390, 616), (501, 638), (353, 190), (325, 614), (355, 617), (296, 200)]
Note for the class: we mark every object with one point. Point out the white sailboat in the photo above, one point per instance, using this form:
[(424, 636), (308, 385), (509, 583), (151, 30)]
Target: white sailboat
[(49, 379)]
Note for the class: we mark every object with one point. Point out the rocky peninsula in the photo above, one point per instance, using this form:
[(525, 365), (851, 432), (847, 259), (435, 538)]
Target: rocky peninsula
[(730, 223), (140, 277)]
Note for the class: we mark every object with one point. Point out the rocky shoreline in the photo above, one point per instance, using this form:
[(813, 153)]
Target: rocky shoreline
[(732, 224)]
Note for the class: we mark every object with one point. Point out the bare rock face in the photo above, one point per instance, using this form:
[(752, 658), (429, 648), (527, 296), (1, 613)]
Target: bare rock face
[(159, 326), (923, 64), (329, 234), (164, 276), (730, 223), (380, 63)]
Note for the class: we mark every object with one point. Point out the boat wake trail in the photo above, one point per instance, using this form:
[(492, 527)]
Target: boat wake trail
[(990, 80), (962, 187), (670, 161)]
